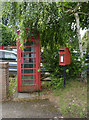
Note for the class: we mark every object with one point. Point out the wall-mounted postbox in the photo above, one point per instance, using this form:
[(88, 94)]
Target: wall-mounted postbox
[(64, 56)]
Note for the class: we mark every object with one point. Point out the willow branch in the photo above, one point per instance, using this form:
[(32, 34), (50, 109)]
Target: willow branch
[(83, 13), (77, 6), (79, 13)]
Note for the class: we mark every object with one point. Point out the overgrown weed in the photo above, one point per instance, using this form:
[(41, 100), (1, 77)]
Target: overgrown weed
[(12, 86)]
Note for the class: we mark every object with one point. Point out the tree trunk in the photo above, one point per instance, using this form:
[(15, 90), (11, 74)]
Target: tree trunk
[(88, 40), (83, 77), (78, 34)]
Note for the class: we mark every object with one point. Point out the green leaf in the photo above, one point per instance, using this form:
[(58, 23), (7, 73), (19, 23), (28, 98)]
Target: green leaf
[(39, 70), (67, 71)]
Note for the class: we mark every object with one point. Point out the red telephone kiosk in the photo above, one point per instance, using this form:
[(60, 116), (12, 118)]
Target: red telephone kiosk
[(28, 63), (64, 59)]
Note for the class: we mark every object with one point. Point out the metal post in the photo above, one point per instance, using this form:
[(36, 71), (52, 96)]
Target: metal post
[(64, 76)]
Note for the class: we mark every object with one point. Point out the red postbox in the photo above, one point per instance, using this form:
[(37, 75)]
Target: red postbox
[(64, 56)]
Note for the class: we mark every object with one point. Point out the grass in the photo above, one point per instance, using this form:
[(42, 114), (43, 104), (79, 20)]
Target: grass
[(72, 100)]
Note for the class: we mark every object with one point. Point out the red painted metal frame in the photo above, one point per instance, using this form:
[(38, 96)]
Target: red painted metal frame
[(20, 61), (1, 47)]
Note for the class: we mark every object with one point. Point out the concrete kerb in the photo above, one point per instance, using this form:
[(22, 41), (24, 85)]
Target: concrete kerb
[(29, 96), (25, 96)]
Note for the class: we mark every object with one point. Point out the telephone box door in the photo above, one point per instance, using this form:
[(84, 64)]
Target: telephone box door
[(28, 63)]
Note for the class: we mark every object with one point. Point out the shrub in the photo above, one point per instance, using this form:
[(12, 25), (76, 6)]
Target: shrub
[(51, 64)]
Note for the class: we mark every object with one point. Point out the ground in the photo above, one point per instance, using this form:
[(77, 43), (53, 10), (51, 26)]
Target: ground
[(30, 109), (29, 105), (68, 102)]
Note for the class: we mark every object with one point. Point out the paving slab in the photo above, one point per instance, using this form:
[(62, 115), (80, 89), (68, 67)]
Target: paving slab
[(36, 108), (26, 95)]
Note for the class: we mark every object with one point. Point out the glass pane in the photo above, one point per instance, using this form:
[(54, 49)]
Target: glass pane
[(28, 49), (29, 65), (28, 76), (21, 65), (33, 55), (29, 55), (29, 82), (28, 60), (22, 82), (21, 55), (28, 71), (34, 60), (22, 71), (21, 76)]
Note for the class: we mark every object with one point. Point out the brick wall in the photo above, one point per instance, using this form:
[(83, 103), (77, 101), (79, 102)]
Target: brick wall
[(4, 80)]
